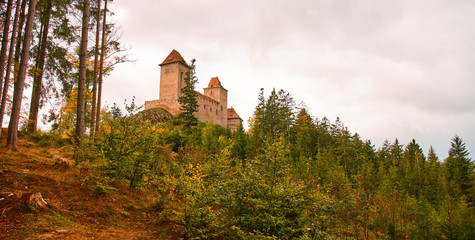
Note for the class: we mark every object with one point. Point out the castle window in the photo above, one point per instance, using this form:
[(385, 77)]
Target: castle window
[(216, 112), (210, 109), (204, 106), (221, 108)]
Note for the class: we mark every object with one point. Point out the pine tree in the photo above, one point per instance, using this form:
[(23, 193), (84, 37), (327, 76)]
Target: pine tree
[(96, 66), (189, 104), (240, 142), (82, 73), (304, 135), (20, 83), (40, 63), (4, 48), (414, 169), (13, 45), (275, 115), (101, 68), (459, 168), (434, 189)]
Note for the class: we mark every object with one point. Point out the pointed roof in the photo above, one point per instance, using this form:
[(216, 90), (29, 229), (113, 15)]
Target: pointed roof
[(214, 82), (232, 114), (174, 57)]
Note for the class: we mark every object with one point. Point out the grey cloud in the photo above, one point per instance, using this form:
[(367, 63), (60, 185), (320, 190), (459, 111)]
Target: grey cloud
[(405, 61)]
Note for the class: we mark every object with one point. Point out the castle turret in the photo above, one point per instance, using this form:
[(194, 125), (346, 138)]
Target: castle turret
[(217, 92), (172, 74), (233, 119)]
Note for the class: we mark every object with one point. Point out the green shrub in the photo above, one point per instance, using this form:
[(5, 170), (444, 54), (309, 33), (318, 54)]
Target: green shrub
[(48, 139), (132, 149)]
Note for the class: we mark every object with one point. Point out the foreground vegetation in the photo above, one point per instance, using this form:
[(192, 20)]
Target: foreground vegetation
[(289, 177), (83, 202)]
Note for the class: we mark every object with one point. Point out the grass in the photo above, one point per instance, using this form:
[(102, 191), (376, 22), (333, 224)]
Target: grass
[(84, 203)]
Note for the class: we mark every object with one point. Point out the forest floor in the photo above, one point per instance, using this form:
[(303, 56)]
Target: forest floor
[(81, 204)]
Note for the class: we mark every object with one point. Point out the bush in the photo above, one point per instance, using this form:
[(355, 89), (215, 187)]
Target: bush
[(132, 149), (48, 139)]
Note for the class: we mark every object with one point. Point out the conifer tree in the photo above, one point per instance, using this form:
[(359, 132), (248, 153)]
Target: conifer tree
[(96, 66), (101, 68), (434, 189), (82, 72), (459, 168), (13, 45), (305, 133), (40, 62), (4, 48), (189, 104), (240, 142), (20, 83), (414, 169), (274, 115)]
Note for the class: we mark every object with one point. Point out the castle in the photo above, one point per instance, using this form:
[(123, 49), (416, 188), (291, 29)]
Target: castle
[(213, 104)]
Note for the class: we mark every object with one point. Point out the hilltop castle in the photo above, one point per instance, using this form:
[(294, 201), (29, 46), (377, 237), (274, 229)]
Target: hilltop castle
[(213, 104)]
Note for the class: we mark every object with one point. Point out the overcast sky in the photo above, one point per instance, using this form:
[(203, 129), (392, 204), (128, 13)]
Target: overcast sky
[(389, 69)]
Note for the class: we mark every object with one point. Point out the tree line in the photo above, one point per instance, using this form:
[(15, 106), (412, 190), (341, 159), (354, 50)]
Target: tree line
[(46, 45)]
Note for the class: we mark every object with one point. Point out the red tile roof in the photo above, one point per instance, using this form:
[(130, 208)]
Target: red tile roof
[(232, 114), (214, 82), (174, 57)]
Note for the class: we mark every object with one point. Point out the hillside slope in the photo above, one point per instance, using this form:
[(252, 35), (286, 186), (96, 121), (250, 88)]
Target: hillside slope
[(82, 205)]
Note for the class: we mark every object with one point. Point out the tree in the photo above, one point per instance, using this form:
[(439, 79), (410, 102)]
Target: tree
[(240, 143), (96, 65), (274, 115), (459, 168), (101, 68), (40, 62), (414, 169), (20, 5), (434, 189), (304, 135), (20, 83), (189, 104), (3, 51), (82, 72)]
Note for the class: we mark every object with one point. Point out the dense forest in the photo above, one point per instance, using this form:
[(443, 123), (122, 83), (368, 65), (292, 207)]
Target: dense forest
[(289, 176)]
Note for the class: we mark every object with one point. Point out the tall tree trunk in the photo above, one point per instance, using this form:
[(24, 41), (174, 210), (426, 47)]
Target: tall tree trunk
[(82, 74), (10, 59), (40, 62), (101, 68), (3, 51), (20, 83), (19, 39), (96, 64)]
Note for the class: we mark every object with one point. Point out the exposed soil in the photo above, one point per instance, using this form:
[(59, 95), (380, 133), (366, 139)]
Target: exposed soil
[(80, 204)]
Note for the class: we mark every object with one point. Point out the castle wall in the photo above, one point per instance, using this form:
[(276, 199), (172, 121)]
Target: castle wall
[(233, 123), (172, 81), (219, 94), (173, 107), (210, 109)]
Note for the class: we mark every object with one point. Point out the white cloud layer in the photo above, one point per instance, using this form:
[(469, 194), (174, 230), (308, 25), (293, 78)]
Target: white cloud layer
[(389, 69)]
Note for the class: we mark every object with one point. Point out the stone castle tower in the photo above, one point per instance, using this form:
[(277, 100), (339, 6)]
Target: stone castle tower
[(212, 104), (172, 74)]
